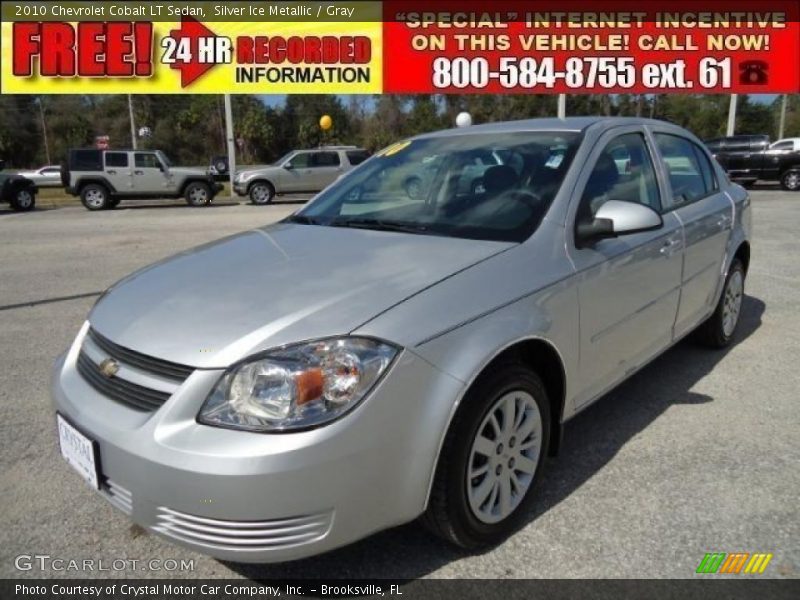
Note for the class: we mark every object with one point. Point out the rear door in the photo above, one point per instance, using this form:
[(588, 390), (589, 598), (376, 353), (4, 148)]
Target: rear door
[(696, 198), (326, 167), (119, 171), (149, 175)]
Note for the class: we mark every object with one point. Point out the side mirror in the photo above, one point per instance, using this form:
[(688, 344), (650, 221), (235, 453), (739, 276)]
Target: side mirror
[(288, 166), (619, 218)]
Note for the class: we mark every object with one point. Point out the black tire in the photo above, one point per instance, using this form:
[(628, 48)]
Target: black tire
[(23, 199), (221, 166), (449, 514), (95, 196), (413, 188), (197, 194), (261, 193), (790, 180), (714, 332)]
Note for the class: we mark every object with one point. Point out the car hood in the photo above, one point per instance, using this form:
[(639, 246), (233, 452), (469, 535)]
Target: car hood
[(215, 304)]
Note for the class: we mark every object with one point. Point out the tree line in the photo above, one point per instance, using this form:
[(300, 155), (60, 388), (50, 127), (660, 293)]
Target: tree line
[(191, 128)]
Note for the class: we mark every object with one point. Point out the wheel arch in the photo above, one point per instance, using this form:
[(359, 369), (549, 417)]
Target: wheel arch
[(84, 181), (743, 254), (190, 180), (262, 180)]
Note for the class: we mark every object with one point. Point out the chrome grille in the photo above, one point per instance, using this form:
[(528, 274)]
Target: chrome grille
[(141, 361), (242, 535), (135, 396)]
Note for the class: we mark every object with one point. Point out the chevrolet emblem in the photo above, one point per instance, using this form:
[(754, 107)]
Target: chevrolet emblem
[(109, 367)]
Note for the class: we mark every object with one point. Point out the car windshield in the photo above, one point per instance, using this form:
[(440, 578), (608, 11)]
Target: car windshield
[(283, 158), (164, 160), (485, 186)]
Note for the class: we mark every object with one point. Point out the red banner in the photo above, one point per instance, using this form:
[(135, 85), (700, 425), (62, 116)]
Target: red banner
[(711, 46)]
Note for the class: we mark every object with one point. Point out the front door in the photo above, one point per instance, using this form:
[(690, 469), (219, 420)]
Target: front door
[(629, 285), (707, 216), (297, 177), (149, 175)]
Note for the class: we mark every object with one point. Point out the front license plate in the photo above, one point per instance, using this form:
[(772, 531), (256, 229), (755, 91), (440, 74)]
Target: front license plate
[(79, 451)]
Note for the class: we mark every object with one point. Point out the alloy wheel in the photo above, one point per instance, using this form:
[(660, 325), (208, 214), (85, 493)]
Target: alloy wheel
[(732, 303), (504, 456), (24, 199), (198, 196), (95, 198)]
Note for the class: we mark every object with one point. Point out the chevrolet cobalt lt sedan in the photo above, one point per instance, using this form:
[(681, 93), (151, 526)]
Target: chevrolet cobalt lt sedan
[(377, 357)]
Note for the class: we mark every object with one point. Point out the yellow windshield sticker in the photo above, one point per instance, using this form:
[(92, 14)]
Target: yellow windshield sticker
[(394, 148)]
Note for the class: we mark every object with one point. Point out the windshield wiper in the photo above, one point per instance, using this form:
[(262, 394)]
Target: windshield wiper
[(381, 225)]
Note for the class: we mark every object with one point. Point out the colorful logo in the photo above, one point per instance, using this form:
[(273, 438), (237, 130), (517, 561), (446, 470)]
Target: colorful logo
[(734, 563)]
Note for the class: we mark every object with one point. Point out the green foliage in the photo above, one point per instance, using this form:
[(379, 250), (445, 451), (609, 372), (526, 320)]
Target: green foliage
[(191, 128)]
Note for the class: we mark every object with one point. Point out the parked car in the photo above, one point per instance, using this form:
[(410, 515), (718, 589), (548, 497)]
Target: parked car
[(297, 172), (102, 178), (18, 191), (786, 145), (49, 176), (750, 158), (294, 388)]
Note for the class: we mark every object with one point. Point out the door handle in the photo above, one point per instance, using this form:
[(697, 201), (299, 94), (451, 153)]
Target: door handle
[(139, 172), (670, 247), (723, 222), (111, 172)]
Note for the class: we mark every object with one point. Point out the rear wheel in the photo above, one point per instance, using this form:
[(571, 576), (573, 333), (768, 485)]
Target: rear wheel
[(23, 200), (491, 459), (790, 181), (261, 192), (95, 196), (197, 194), (718, 331)]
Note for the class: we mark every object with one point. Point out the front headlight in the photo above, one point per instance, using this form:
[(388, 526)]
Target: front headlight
[(298, 386)]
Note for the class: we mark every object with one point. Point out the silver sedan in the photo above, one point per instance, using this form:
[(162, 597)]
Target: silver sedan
[(377, 357)]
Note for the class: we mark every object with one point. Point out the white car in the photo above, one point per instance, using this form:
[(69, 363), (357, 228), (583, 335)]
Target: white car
[(49, 176), (786, 145)]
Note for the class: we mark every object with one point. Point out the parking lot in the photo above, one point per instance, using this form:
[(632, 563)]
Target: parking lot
[(699, 452)]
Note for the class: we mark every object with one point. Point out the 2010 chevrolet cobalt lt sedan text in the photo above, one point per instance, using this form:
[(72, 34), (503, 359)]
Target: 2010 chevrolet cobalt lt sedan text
[(378, 356)]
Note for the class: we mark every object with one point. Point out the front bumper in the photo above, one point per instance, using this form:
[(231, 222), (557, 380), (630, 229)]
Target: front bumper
[(251, 497), (240, 188)]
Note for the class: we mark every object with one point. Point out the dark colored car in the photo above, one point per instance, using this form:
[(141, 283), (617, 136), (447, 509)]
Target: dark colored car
[(18, 191), (748, 158)]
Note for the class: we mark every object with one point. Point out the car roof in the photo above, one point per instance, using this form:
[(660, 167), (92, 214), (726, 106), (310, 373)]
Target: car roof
[(576, 124)]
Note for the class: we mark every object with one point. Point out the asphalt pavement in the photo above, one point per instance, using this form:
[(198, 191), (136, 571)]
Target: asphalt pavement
[(699, 452)]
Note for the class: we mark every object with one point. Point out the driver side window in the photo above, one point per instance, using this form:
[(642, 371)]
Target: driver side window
[(623, 171)]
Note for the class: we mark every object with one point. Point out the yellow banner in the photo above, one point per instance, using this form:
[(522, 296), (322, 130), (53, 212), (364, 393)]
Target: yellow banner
[(192, 57)]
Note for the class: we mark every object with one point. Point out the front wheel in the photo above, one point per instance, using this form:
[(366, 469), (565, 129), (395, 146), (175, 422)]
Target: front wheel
[(491, 459), (23, 200), (261, 193), (790, 181), (718, 331), (197, 194)]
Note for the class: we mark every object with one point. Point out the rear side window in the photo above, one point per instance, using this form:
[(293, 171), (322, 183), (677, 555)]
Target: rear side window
[(783, 146), (690, 174), (325, 159), (147, 160), (356, 157), (87, 160), (116, 159)]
